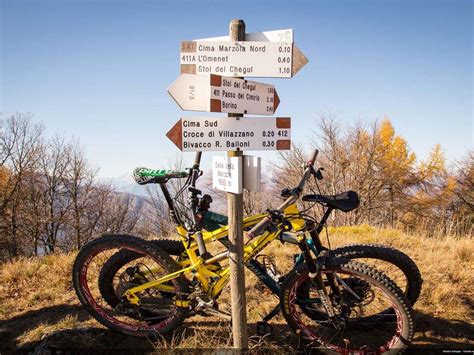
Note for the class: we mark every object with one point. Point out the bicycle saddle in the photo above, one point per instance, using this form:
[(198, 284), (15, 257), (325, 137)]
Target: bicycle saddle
[(345, 201), (145, 176)]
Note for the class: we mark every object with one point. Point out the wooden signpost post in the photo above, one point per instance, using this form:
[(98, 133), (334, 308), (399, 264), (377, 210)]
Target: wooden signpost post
[(235, 212), (211, 80)]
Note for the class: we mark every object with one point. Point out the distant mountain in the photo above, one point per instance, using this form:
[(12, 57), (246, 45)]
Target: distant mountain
[(125, 183)]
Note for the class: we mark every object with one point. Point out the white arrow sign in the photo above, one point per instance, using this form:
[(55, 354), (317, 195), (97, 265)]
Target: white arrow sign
[(257, 59), (263, 59), (216, 93), (192, 134)]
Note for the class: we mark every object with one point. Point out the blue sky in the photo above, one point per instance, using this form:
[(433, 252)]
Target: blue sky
[(99, 70)]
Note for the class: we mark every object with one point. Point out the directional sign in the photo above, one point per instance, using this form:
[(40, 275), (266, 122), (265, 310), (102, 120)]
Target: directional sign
[(216, 93), (192, 134), (227, 174), (248, 58)]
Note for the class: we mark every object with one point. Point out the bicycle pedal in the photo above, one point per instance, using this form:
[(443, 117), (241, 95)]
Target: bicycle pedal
[(211, 311)]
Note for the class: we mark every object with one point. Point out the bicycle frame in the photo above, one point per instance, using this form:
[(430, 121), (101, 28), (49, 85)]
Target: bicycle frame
[(212, 280)]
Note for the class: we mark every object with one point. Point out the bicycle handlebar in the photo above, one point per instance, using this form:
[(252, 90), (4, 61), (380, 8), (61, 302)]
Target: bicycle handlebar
[(313, 158), (197, 160)]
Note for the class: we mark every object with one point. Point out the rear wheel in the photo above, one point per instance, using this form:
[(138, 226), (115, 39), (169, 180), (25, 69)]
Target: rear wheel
[(156, 313), (110, 278), (359, 324)]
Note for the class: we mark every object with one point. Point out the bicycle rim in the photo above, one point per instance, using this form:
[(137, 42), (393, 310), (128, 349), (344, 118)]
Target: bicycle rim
[(366, 328), (153, 315)]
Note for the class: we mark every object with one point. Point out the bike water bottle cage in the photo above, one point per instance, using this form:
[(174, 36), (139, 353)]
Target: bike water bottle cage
[(145, 176)]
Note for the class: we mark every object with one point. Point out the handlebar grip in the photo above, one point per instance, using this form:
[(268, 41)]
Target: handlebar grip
[(197, 159), (313, 158), (258, 228)]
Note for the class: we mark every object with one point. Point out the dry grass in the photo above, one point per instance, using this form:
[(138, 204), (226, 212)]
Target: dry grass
[(37, 299)]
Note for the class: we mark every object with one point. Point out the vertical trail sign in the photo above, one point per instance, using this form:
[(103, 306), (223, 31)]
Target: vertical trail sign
[(227, 174), (232, 174)]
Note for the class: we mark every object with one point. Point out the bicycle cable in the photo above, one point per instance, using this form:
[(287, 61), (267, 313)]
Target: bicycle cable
[(325, 224)]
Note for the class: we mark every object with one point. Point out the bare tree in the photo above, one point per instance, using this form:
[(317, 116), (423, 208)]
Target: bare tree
[(20, 141), (53, 164), (79, 183)]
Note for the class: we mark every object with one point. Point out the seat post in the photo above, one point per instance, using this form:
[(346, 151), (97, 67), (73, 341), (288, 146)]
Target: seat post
[(323, 221), (315, 232)]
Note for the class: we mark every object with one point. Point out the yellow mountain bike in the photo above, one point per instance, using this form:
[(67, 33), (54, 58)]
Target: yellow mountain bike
[(331, 300)]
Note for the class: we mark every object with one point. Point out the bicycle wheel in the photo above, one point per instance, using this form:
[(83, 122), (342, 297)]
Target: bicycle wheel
[(361, 325), (155, 314), (110, 280), (392, 262)]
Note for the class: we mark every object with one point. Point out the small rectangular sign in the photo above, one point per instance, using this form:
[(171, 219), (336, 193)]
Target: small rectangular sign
[(227, 174)]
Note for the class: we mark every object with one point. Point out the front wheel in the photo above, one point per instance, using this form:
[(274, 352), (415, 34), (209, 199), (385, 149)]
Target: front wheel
[(359, 324), (157, 312), (398, 266)]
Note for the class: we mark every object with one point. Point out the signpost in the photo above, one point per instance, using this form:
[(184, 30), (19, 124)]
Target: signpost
[(194, 134), (222, 63), (216, 93), (235, 212)]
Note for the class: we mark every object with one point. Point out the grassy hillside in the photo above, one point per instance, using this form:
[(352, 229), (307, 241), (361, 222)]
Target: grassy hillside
[(38, 306)]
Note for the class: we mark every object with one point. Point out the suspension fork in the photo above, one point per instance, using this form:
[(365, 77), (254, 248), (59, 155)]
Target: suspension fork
[(319, 248), (315, 275)]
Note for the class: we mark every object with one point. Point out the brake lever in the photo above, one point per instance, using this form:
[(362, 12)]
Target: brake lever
[(286, 192), (319, 174), (278, 216)]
